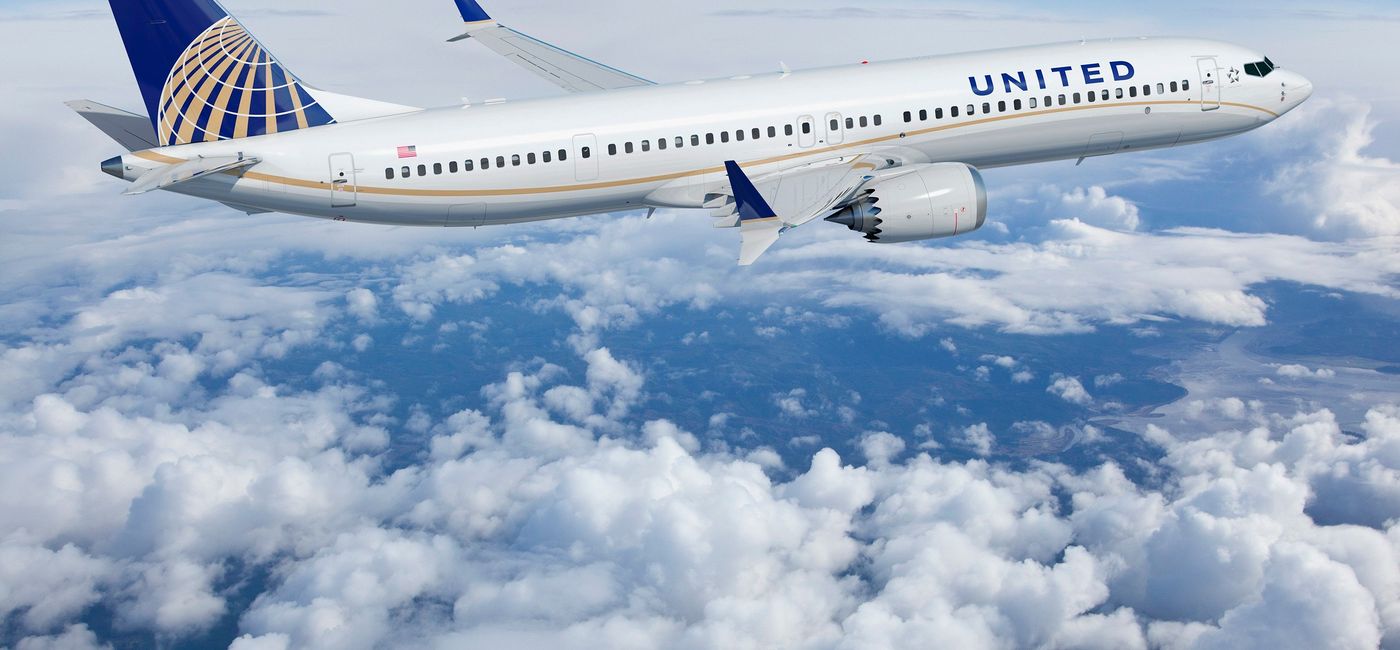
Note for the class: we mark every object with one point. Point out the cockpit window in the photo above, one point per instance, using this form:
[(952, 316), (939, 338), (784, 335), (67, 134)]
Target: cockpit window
[(1260, 68)]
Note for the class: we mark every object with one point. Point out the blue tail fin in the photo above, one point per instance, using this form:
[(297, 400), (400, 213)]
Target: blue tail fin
[(204, 77)]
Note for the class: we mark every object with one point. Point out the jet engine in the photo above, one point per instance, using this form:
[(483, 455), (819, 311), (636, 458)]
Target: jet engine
[(927, 202)]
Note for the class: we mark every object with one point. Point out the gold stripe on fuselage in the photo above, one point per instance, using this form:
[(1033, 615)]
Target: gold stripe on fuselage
[(384, 191)]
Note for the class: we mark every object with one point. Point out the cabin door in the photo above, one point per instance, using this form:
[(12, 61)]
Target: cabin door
[(343, 189), (585, 157), (1210, 83)]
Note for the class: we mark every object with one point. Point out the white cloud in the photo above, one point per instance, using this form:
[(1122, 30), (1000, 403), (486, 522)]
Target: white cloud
[(880, 447), (1343, 191), (978, 438), (1094, 206), (790, 403), (1069, 389), (1298, 371), (363, 304)]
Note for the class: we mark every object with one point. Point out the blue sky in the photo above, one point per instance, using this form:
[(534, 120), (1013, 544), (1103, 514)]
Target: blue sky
[(1155, 403)]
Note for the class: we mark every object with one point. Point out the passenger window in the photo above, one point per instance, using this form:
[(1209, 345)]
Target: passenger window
[(953, 112), (437, 169), (1175, 87), (515, 160), (971, 110), (389, 173), (646, 145), (1186, 85), (486, 163), (549, 157), (1032, 102), (422, 170), (757, 133), (1118, 93), (938, 113), (1001, 106), (850, 123), (1091, 96), (908, 117), (1063, 100), (879, 120), (923, 115), (864, 122), (772, 131), (452, 167), (724, 136), (1147, 90), (612, 150), (466, 165), (739, 135), (694, 140), (1161, 89), (661, 143), (836, 124), (709, 138), (1132, 91), (564, 154), (806, 128), (500, 161), (1076, 98), (787, 129), (627, 147), (1016, 105), (1049, 101), (530, 158)]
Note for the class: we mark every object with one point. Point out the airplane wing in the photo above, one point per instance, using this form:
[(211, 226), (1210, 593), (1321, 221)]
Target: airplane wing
[(767, 206), (570, 71)]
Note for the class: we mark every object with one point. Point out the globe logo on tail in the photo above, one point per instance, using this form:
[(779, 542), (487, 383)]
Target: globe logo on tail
[(226, 85)]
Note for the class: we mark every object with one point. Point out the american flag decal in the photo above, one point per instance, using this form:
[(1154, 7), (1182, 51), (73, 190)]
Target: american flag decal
[(408, 152)]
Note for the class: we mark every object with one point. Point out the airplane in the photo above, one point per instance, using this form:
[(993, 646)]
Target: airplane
[(891, 150)]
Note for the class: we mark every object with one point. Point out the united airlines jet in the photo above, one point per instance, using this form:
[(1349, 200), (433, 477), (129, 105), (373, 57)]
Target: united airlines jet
[(890, 150)]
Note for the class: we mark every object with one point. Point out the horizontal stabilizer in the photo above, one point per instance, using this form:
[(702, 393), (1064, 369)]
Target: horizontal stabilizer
[(163, 177), (132, 131)]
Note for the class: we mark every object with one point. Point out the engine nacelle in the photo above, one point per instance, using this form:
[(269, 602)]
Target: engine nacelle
[(931, 201)]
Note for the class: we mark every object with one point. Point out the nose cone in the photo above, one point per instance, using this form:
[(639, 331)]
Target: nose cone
[(1296, 88), (114, 167)]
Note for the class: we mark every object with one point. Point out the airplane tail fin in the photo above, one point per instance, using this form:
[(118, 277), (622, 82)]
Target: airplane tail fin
[(204, 77)]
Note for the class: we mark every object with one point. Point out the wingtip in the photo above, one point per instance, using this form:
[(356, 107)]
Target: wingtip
[(471, 11)]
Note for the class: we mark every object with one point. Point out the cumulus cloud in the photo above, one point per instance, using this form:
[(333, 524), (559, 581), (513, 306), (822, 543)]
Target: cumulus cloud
[(1069, 389), (1347, 192), (1094, 206), (1299, 371), (553, 516)]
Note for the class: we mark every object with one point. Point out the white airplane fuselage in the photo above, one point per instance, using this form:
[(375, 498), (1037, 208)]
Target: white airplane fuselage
[(1179, 91)]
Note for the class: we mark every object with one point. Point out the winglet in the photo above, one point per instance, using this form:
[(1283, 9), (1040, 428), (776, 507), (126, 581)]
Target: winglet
[(475, 18), (759, 226), (472, 11)]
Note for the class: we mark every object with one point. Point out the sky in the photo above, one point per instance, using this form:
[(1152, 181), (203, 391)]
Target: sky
[(1154, 403)]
